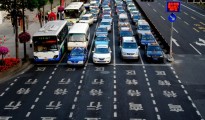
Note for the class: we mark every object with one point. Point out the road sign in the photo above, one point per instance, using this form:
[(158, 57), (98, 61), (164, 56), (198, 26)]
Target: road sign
[(172, 17), (173, 6)]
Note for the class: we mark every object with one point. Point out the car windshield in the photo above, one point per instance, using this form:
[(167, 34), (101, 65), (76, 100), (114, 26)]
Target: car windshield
[(131, 6), (105, 23), (101, 50), (103, 29), (123, 20), (129, 45), (143, 27), (77, 37), (153, 48), (147, 37), (106, 17), (77, 52), (125, 33), (101, 39), (136, 17), (84, 18)]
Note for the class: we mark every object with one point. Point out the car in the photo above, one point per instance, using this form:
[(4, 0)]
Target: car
[(105, 23), (121, 12), (153, 52), (142, 27), (124, 33), (87, 18), (101, 31), (135, 12), (123, 20), (95, 16), (146, 38), (77, 56), (94, 11), (101, 40), (70, 24), (107, 18), (135, 19), (129, 48), (130, 6), (102, 54)]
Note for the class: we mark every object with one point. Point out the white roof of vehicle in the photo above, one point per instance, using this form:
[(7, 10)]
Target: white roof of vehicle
[(101, 46), (87, 15), (79, 28), (123, 15), (142, 22), (129, 39), (74, 5)]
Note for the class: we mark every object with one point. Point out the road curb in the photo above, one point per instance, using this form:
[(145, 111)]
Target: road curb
[(14, 71)]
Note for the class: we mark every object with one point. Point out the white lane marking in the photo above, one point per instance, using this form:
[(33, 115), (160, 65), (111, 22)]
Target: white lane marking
[(148, 4), (148, 83), (114, 81), (73, 106), (202, 23), (186, 13), (186, 23), (11, 84), (83, 72), (28, 114), (158, 117), (115, 86), (115, 107), (145, 71), (53, 72), (50, 77), (154, 10), (2, 94), (36, 100), (115, 93), (175, 42), (114, 76), (198, 113), (115, 114), (114, 43), (79, 87), (156, 109), (7, 89), (176, 76), (154, 102), (175, 30), (152, 95), (55, 68), (44, 87), (178, 17), (147, 79), (195, 29), (77, 92), (162, 17), (150, 89), (82, 76), (189, 98), (193, 105), (15, 80), (40, 93), (179, 81), (145, 75), (185, 92), (47, 82), (182, 86), (75, 100), (114, 72), (81, 81), (193, 17), (195, 48), (71, 115), (162, 5), (115, 99), (32, 107), (192, 10)]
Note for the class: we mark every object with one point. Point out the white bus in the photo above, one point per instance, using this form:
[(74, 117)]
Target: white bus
[(50, 41), (78, 36), (74, 11)]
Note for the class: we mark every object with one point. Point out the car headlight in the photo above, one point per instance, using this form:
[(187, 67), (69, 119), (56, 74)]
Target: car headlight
[(124, 53)]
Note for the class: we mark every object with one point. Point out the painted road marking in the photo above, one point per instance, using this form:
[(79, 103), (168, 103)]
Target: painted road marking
[(195, 29), (192, 10), (195, 48), (202, 23), (175, 30), (162, 17), (193, 17), (186, 13), (28, 114), (186, 23), (154, 10), (178, 17), (32, 107), (36, 100)]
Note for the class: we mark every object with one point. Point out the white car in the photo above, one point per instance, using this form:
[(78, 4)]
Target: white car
[(143, 27), (105, 23), (102, 54), (87, 18)]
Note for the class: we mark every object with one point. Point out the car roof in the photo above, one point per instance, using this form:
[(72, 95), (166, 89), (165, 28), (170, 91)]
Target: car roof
[(101, 46), (129, 39), (142, 22), (87, 15)]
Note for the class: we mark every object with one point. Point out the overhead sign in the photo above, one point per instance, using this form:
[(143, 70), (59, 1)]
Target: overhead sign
[(172, 17), (173, 6)]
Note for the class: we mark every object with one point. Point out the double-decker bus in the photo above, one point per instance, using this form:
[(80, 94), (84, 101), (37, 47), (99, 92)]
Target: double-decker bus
[(74, 11), (49, 41)]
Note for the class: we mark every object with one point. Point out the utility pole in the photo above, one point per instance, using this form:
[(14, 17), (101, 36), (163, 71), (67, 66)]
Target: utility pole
[(24, 30)]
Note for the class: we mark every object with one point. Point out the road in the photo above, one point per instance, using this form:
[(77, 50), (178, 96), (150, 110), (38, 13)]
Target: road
[(122, 90), (189, 27)]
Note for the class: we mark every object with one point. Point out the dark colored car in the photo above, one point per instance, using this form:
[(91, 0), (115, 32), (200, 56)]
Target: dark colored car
[(153, 52), (78, 56)]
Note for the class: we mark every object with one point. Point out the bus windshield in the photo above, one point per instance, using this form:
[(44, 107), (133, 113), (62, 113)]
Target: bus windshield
[(72, 13), (43, 43), (77, 37)]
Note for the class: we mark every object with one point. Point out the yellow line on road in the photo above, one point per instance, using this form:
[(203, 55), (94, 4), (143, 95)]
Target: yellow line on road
[(195, 29)]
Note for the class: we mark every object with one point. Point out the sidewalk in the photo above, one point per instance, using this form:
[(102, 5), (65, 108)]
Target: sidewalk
[(6, 30)]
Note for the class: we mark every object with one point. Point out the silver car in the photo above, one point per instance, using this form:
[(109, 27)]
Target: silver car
[(129, 48)]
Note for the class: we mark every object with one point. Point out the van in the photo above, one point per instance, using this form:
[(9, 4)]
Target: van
[(87, 18)]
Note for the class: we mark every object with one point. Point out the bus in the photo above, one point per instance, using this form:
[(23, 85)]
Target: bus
[(78, 36), (50, 41), (74, 11)]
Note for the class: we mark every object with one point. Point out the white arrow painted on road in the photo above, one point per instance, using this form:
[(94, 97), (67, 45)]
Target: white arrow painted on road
[(175, 42), (201, 42)]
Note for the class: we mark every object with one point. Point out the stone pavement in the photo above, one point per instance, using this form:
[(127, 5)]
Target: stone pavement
[(6, 30)]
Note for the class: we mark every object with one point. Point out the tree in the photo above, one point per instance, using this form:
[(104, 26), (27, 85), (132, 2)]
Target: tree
[(51, 2), (3, 52)]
